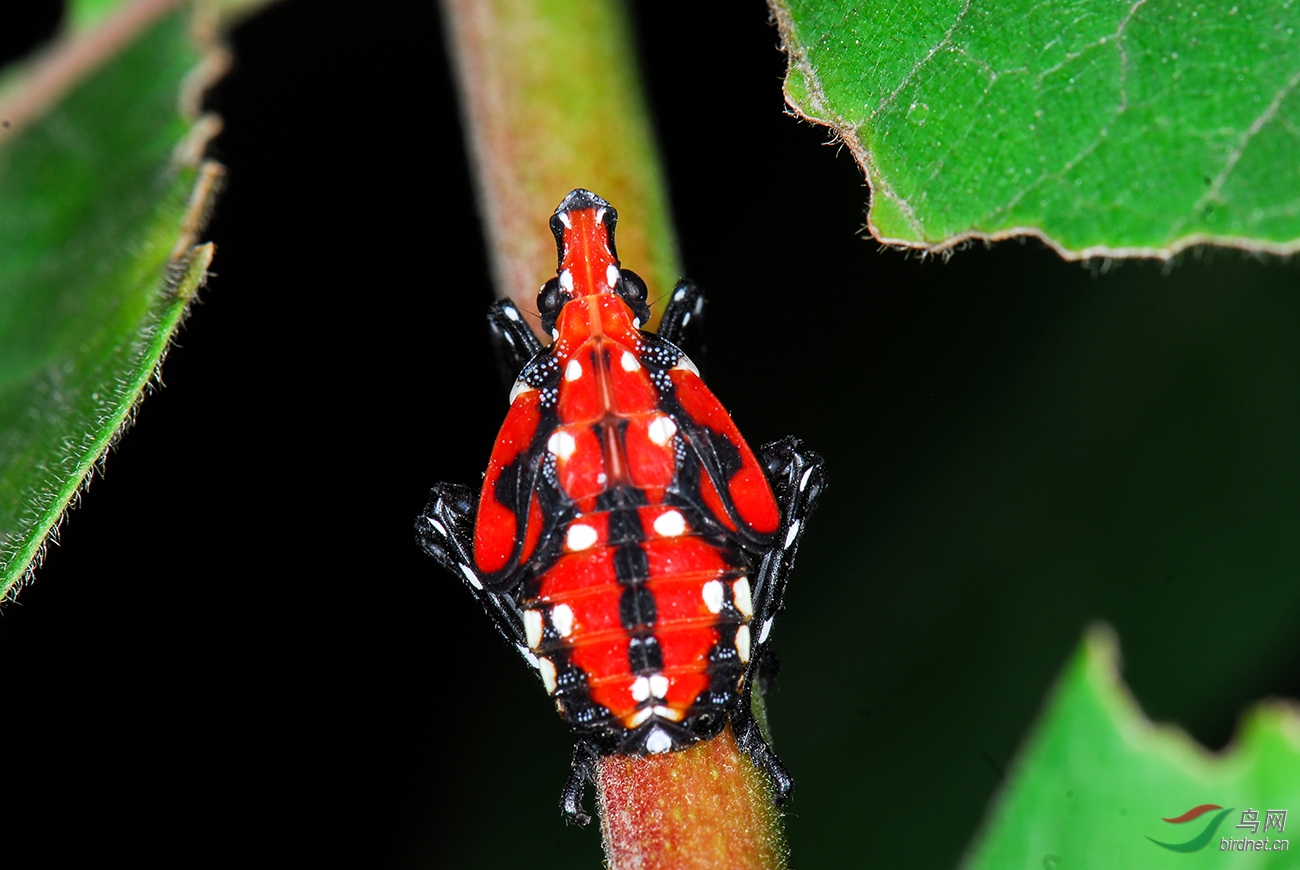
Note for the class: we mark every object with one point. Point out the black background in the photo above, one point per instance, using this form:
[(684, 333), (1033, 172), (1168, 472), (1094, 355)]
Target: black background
[(238, 653)]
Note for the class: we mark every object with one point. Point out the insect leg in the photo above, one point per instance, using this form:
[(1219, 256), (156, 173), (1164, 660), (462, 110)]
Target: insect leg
[(798, 477), (583, 771), (444, 530), (749, 737), (513, 340), (683, 320)]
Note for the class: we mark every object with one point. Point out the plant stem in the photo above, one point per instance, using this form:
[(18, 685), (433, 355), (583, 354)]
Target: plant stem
[(704, 807), (551, 101)]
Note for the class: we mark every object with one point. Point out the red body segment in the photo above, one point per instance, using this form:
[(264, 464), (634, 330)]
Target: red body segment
[(497, 526), (749, 490)]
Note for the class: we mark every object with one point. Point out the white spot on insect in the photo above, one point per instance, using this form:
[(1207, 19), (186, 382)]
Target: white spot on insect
[(470, 576), (580, 536), (521, 386), (686, 318), (442, 530), (792, 534), (767, 629), (562, 619), (561, 444), (661, 430), (629, 361), (566, 281), (555, 334), (742, 643), (659, 685), (712, 593), (533, 628), (636, 323), (527, 654), (668, 713), (573, 370), (611, 274), (511, 313), (658, 741), (640, 689), (600, 214), (680, 294), (547, 669), (740, 594), (684, 364), (803, 481), (564, 219), (670, 524), (601, 478), (639, 716)]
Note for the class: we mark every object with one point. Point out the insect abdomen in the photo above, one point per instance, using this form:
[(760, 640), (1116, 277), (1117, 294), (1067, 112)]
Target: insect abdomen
[(643, 619)]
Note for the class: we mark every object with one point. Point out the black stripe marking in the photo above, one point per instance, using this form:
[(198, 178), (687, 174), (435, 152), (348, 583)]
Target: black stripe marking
[(625, 527), (636, 607), (631, 565), (644, 655)]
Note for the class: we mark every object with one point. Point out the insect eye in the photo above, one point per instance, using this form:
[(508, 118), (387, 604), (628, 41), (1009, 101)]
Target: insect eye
[(550, 299), (634, 293)]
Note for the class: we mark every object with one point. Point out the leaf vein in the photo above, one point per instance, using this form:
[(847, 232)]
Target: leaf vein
[(1213, 194), (916, 67)]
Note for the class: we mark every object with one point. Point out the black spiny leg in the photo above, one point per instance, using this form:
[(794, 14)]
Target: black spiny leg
[(513, 340), (749, 737), (798, 477), (683, 320), (583, 771), (444, 530)]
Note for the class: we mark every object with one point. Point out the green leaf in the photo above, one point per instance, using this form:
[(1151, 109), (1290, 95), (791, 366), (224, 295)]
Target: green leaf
[(1097, 781), (1108, 127), (101, 193)]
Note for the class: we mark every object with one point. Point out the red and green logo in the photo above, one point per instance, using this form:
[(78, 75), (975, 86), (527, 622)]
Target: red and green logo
[(1195, 844)]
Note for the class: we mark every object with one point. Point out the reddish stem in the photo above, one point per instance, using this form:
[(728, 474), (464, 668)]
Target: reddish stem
[(705, 807)]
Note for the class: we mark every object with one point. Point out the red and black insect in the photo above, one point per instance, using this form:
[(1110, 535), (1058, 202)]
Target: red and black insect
[(626, 539)]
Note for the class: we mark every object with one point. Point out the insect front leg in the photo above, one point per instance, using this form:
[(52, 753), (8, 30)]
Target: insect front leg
[(445, 530), (513, 341), (683, 320)]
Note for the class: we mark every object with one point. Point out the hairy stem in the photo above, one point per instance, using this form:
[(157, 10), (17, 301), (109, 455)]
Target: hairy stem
[(551, 101), (705, 807)]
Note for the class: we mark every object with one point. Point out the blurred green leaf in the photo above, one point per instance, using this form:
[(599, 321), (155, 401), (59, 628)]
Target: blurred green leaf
[(1096, 782), (101, 193), (1109, 127)]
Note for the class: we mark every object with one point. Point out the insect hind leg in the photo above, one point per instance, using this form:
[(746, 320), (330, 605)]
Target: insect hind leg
[(445, 531), (583, 771), (798, 478), (750, 739)]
